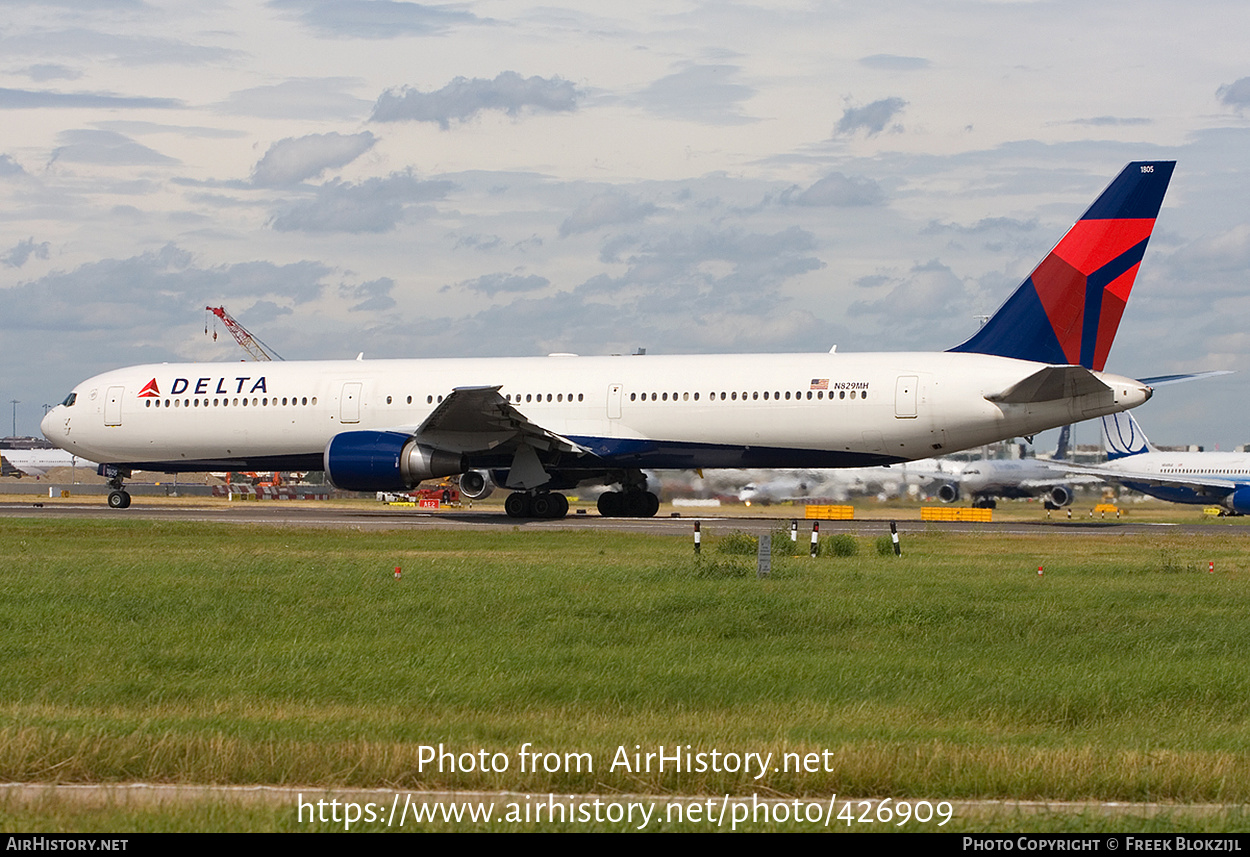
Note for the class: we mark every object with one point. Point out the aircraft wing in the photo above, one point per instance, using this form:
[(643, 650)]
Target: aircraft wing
[(478, 419)]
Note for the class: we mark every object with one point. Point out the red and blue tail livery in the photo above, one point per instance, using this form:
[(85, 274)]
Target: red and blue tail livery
[(1069, 308)]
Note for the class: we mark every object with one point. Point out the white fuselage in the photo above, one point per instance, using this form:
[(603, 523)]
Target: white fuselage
[(990, 476), (739, 410), (1184, 477)]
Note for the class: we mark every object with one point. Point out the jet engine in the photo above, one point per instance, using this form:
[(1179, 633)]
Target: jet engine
[(1059, 496), (1239, 501), (476, 484), (384, 461), (948, 492)]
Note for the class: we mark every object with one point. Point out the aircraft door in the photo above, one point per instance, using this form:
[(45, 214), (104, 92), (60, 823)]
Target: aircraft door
[(616, 393), (905, 396), (113, 406), (349, 404)]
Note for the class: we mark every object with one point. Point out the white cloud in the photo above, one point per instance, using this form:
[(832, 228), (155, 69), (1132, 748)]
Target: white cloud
[(464, 98), (606, 209), (296, 159), (839, 190), (871, 118), (105, 148), (22, 251), (1235, 94), (374, 205), (374, 19), (306, 98), (700, 93), (892, 62)]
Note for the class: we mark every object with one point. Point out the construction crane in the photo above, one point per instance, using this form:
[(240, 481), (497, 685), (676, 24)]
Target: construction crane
[(252, 345)]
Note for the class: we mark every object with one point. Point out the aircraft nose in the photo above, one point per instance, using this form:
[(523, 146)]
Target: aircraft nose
[(47, 425)]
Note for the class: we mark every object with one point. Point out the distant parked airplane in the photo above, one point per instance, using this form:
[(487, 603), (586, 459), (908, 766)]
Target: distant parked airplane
[(985, 479), (37, 462)]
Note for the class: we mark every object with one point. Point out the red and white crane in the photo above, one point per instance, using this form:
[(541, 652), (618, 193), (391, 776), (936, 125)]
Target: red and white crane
[(252, 345)]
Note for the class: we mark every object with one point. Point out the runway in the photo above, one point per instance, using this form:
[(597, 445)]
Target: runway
[(330, 515)]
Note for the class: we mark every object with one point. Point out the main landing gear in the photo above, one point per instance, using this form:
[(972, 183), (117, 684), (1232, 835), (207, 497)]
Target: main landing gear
[(633, 503), (543, 504)]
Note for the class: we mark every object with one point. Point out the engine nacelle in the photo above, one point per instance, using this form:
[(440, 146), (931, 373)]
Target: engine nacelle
[(948, 492), (384, 461), (476, 484), (1239, 501), (1060, 496)]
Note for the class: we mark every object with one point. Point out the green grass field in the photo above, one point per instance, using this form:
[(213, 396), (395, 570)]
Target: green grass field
[(190, 653)]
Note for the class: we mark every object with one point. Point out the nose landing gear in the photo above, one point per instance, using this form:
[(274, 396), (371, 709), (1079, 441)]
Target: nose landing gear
[(119, 497)]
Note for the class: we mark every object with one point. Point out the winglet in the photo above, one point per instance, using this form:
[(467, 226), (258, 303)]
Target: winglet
[(1069, 308)]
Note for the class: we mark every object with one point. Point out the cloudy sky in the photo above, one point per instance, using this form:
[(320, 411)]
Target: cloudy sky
[(500, 178)]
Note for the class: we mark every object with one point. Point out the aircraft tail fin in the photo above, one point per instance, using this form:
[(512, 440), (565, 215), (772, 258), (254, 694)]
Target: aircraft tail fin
[(1123, 437), (1067, 311), (1061, 449)]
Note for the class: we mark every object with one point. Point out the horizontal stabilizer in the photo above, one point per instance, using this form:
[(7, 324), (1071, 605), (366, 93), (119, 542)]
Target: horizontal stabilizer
[(1163, 380), (1049, 384)]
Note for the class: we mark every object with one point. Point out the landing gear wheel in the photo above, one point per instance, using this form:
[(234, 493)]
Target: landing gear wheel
[(635, 504), (562, 506), (517, 505), (119, 500), (611, 504), (540, 505), (653, 505)]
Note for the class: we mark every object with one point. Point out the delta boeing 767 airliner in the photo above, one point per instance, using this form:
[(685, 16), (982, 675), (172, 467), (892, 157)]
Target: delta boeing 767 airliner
[(541, 425)]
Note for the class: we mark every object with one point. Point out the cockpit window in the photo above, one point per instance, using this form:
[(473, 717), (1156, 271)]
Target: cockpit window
[(70, 399)]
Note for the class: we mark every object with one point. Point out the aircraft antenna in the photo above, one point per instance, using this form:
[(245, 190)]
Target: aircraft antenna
[(252, 345)]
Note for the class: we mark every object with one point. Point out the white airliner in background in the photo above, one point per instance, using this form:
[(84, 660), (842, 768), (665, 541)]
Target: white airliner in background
[(988, 478), (1206, 478), (37, 462), (541, 425)]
